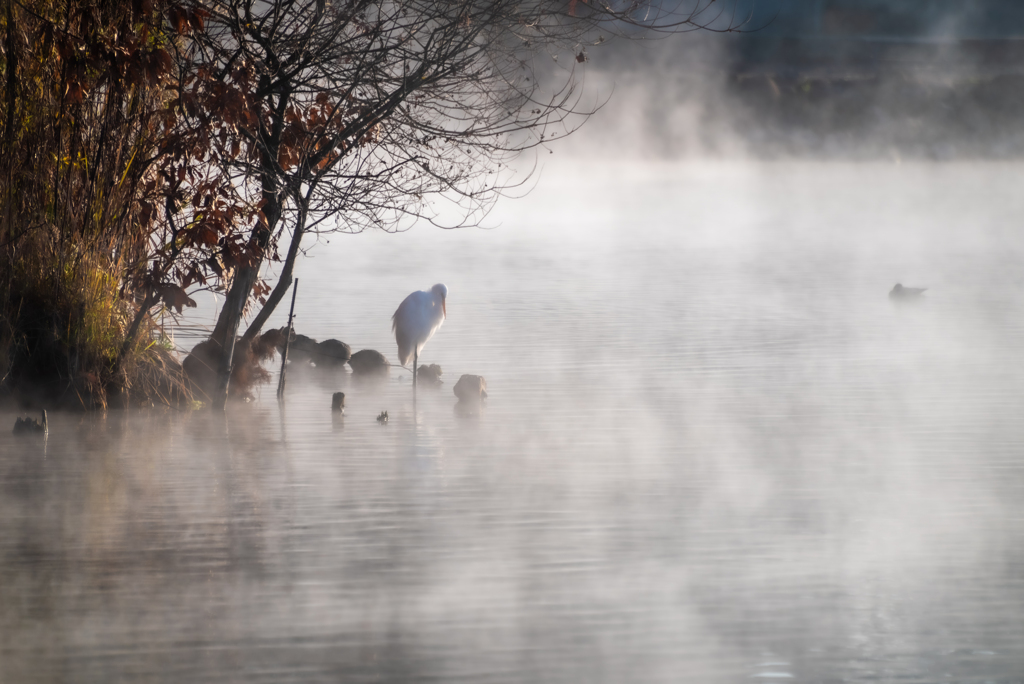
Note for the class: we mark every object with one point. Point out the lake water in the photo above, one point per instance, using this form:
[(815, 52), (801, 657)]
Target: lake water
[(714, 451)]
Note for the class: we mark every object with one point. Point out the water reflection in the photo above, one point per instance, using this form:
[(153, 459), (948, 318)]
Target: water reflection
[(732, 460)]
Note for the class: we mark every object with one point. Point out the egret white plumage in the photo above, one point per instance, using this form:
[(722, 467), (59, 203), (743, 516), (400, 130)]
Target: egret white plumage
[(417, 319)]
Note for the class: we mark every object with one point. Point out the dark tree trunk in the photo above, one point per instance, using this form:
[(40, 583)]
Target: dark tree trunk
[(283, 283), (241, 286), (133, 330)]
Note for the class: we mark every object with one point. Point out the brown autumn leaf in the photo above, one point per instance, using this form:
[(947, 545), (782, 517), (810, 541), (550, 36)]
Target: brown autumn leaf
[(162, 60), (74, 93), (175, 297), (179, 20), (207, 236), (196, 18)]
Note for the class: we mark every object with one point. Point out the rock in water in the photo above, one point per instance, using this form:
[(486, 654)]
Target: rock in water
[(369, 362), (301, 349), (471, 388), (430, 374), (331, 353), (201, 365)]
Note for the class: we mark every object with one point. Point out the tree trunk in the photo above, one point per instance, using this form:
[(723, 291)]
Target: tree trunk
[(11, 53), (234, 303), (133, 331), (283, 282), (241, 286), (220, 396)]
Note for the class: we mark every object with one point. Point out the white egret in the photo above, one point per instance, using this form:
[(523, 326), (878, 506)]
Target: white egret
[(417, 319)]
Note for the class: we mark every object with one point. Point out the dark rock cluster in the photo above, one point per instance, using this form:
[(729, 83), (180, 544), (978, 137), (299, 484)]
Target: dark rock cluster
[(304, 350), (23, 426)]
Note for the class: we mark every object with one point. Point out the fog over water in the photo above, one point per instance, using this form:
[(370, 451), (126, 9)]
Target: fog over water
[(714, 450)]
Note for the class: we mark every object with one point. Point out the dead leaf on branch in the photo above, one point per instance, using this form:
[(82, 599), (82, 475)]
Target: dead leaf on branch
[(175, 297)]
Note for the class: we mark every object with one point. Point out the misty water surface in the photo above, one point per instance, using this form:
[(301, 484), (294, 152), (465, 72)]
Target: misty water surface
[(714, 451)]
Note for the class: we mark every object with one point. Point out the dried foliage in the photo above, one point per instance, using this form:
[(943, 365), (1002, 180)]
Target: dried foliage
[(111, 208), (357, 114), (157, 147), (82, 85)]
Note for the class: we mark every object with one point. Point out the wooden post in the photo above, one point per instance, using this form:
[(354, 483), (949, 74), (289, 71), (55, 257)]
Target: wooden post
[(287, 341)]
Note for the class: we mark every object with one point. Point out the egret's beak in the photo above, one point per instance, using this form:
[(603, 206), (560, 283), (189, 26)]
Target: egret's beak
[(444, 309)]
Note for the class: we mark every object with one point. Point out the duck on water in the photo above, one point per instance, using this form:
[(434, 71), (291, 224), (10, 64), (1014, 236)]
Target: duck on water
[(900, 293)]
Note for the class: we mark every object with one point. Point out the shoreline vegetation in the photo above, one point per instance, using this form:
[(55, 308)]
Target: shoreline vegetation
[(75, 142), (153, 149)]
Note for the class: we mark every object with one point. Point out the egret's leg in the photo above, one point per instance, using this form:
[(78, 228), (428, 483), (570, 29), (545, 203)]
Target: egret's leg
[(415, 363)]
